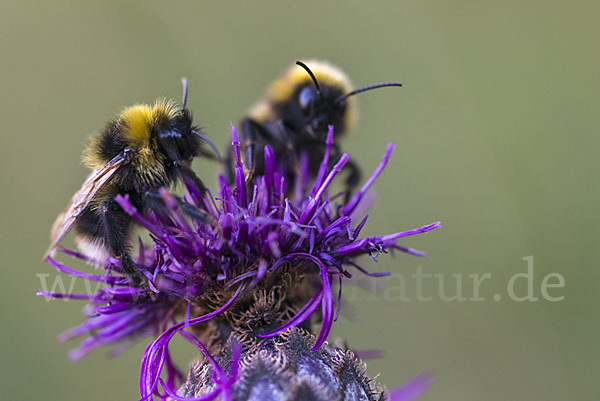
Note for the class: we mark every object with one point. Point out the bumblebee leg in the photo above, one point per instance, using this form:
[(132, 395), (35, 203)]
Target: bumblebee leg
[(248, 136), (187, 176), (354, 174), (294, 169), (229, 166), (193, 211), (290, 154), (353, 178), (153, 201), (335, 154), (132, 271), (116, 224)]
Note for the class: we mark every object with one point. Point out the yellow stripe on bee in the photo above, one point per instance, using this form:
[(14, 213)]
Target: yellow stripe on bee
[(90, 157), (139, 120), (261, 111), (137, 123)]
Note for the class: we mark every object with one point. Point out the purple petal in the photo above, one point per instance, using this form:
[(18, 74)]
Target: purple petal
[(349, 208), (411, 390)]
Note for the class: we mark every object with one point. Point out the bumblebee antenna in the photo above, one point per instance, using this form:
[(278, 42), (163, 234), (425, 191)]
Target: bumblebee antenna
[(366, 88), (210, 143), (301, 64), (185, 92)]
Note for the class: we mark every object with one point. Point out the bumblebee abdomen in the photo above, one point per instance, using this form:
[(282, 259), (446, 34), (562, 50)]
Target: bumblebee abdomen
[(98, 225)]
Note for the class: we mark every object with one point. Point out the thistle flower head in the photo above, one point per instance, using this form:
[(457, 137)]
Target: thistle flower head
[(263, 263)]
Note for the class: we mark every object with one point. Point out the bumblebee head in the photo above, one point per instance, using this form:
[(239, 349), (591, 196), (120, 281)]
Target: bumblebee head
[(306, 102), (317, 102), (165, 128), (161, 128), (311, 98)]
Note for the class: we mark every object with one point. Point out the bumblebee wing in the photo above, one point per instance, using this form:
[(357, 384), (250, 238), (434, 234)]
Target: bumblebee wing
[(97, 179)]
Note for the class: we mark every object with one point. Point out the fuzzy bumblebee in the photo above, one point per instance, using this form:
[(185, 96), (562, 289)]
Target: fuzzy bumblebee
[(144, 148), (293, 119)]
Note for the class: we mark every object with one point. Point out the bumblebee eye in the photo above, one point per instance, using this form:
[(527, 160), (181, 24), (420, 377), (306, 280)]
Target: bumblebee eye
[(307, 98)]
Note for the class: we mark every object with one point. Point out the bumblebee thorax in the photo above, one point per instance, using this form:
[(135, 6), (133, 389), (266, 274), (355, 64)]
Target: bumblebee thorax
[(149, 168), (138, 122)]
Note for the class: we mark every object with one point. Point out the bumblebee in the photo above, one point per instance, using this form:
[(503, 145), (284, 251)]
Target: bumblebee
[(143, 149), (293, 118)]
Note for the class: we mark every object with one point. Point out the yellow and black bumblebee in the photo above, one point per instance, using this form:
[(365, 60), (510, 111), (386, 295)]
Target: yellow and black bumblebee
[(144, 148), (294, 117)]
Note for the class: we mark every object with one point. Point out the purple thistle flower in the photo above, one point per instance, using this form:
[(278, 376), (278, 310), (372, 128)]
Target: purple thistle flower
[(198, 271)]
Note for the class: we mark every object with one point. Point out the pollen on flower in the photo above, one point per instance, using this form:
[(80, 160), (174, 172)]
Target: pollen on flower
[(261, 265)]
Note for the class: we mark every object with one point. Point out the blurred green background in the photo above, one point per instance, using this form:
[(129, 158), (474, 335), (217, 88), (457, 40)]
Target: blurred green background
[(497, 133)]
